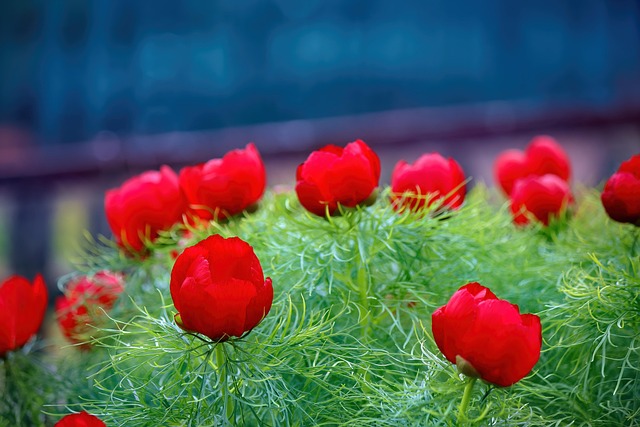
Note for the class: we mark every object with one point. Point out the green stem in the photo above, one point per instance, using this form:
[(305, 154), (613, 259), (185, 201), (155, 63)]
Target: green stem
[(3, 376), (221, 361), (636, 235), (466, 398), (363, 290), (362, 279), (195, 411)]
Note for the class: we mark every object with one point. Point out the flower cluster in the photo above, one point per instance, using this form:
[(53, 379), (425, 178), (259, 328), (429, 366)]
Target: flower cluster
[(217, 285), (535, 180), (334, 176), (156, 200), (219, 289)]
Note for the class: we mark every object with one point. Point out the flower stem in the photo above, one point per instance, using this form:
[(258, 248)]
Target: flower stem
[(362, 279), (363, 289), (466, 398), (194, 419), (221, 362), (636, 236), (3, 376)]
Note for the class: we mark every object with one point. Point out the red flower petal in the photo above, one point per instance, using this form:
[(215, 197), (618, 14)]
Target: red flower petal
[(510, 166), (479, 292), (351, 179), (258, 307), (216, 311), (631, 166), (333, 149), (451, 323), (546, 156), (233, 258), (192, 260), (360, 147), (313, 200), (81, 419), (400, 169), (504, 346)]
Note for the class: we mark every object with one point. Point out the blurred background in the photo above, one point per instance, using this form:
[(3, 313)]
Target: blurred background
[(92, 92)]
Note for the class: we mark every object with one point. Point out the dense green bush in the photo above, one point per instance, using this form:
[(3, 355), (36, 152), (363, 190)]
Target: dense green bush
[(348, 340)]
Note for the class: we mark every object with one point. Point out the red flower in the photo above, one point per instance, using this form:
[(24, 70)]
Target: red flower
[(431, 175), (219, 289), (546, 156), (543, 197), (143, 206), (510, 166), (224, 187), (487, 337), (621, 194), (542, 156), (81, 419), (334, 175), (22, 308), (86, 300)]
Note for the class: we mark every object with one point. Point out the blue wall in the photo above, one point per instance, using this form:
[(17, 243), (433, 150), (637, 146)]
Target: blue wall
[(70, 69)]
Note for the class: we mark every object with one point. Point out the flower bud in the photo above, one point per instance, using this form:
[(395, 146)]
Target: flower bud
[(335, 176), (218, 288), (487, 337)]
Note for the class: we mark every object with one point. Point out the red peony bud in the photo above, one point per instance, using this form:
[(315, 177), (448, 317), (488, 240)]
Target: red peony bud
[(81, 419), (432, 176), (143, 206), (224, 187), (335, 176), (621, 194), (543, 197), (510, 166), (219, 289), (487, 336), (542, 156), (85, 301), (545, 156), (22, 308)]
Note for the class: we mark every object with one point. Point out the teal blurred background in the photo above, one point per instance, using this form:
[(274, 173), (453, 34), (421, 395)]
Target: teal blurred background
[(72, 68)]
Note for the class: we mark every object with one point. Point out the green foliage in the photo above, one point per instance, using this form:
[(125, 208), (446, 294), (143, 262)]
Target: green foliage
[(25, 383), (348, 339)]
